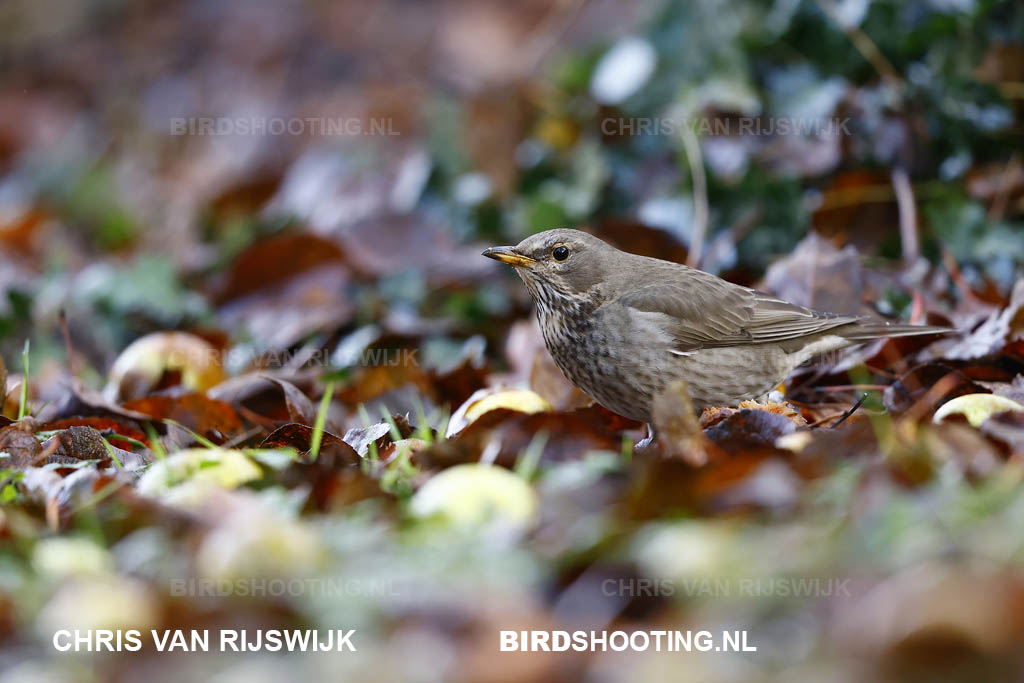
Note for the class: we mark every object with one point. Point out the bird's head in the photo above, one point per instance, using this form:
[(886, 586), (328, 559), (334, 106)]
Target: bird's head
[(558, 264)]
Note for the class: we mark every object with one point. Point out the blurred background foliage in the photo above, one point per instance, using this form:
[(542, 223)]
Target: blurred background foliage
[(501, 119), (656, 124)]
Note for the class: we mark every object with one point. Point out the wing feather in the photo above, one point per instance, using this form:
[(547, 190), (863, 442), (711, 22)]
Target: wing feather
[(703, 311)]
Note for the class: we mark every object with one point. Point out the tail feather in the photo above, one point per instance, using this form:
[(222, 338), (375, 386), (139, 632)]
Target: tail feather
[(867, 330)]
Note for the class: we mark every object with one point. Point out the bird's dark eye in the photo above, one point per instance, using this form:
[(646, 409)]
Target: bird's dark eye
[(560, 253)]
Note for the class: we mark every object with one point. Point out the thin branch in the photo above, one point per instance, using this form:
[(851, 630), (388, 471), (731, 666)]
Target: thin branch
[(845, 416), (962, 286), (864, 45), (909, 239), (700, 195)]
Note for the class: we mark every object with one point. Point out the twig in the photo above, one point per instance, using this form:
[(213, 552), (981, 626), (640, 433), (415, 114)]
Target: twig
[(851, 411), (949, 261), (925, 403), (909, 241), (700, 195), (822, 420), (864, 45), (917, 313)]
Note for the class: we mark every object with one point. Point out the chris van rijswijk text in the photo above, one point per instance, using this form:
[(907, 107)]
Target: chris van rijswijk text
[(227, 640)]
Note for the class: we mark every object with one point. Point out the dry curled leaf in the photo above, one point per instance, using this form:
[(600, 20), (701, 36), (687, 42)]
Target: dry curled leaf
[(677, 428), (300, 408), (299, 437), (21, 447)]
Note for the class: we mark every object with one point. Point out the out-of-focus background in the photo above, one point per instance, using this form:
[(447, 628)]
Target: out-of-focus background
[(243, 242)]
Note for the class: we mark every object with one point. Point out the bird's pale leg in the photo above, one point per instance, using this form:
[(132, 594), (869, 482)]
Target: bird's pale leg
[(647, 440)]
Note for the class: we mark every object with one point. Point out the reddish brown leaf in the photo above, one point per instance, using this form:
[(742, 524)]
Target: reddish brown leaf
[(244, 198), (300, 408), (457, 385), (857, 207), (371, 382), (102, 424), (212, 419), (276, 260)]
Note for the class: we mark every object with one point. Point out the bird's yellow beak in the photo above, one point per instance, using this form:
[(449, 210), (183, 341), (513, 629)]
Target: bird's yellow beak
[(509, 256)]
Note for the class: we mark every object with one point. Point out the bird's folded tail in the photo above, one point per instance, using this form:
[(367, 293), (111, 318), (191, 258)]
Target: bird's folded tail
[(873, 329)]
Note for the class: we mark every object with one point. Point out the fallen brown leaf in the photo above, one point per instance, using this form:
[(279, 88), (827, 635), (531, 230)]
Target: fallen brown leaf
[(215, 420)]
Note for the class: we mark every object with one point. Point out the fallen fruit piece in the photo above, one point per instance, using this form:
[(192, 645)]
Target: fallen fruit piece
[(143, 365), (976, 407), (486, 400), (215, 467), (475, 495)]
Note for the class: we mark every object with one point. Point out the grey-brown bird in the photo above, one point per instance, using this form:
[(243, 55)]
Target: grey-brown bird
[(622, 327)]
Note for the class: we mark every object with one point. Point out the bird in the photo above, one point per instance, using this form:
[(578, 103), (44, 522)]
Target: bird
[(623, 327)]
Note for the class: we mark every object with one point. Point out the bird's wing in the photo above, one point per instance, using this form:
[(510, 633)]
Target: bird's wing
[(703, 311)]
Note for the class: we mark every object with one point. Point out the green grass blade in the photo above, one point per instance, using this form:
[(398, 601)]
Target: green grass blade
[(23, 405), (317, 439)]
